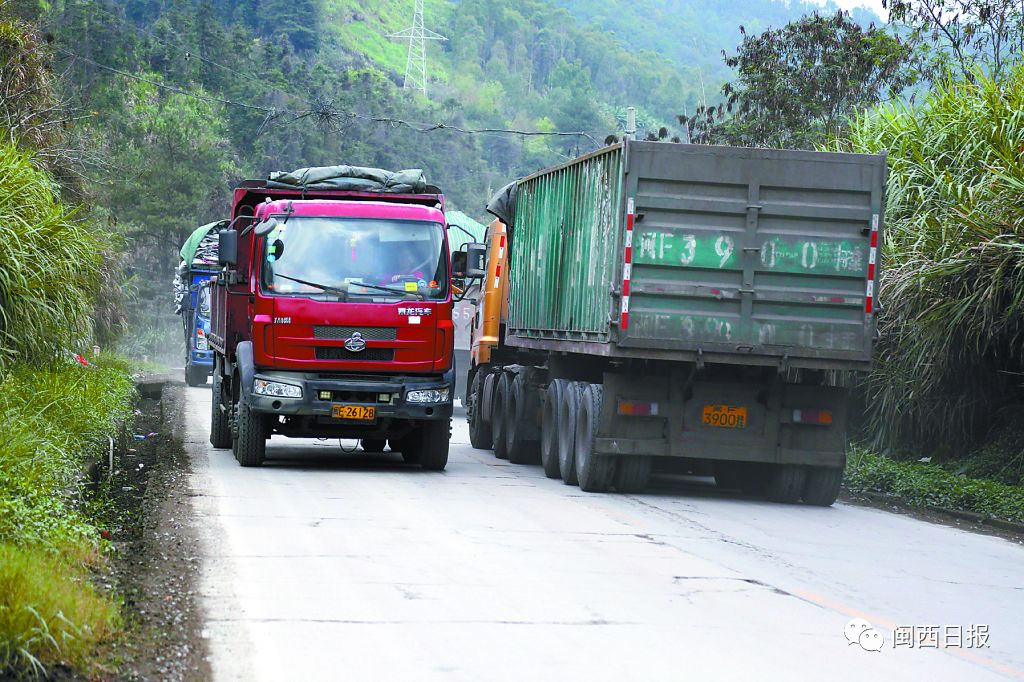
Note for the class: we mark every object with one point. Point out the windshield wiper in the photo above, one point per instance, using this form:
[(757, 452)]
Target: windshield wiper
[(322, 287), (344, 291), (390, 291)]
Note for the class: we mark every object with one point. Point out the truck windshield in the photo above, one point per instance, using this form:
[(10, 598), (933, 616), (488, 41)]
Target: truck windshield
[(361, 257)]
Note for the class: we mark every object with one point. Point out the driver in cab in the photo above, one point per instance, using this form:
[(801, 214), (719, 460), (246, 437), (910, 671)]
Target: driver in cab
[(407, 264)]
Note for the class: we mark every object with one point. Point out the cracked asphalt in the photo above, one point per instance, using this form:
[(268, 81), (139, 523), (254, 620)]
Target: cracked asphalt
[(326, 564)]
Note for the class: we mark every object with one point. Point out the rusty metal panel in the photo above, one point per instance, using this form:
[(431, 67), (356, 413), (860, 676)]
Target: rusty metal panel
[(752, 251), (564, 250)]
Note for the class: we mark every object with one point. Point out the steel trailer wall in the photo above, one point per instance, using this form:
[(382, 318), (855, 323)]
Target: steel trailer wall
[(742, 255)]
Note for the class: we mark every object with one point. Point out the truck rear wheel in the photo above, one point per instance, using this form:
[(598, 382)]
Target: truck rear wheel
[(373, 444), (428, 445), (595, 472), (568, 408), (480, 436), (499, 416), (251, 444), (785, 483), (632, 473), (549, 428), (220, 422), (822, 486), (520, 449)]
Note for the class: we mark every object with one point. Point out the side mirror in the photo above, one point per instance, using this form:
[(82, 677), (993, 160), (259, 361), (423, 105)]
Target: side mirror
[(227, 247), (266, 227), (459, 265), (476, 260)]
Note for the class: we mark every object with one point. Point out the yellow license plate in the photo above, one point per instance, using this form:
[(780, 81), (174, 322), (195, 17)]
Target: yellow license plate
[(359, 413), (725, 416)]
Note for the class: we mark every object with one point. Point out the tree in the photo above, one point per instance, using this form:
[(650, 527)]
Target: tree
[(798, 86), (953, 37)]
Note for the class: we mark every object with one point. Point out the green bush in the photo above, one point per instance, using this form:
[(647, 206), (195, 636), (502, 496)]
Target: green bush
[(49, 613), (925, 484)]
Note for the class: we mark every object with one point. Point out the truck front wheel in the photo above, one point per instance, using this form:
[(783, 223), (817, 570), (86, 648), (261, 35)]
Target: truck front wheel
[(428, 445), (595, 472), (220, 422), (499, 416), (822, 486), (194, 375), (251, 444), (480, 436)]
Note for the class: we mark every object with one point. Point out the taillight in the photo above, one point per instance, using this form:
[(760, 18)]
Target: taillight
[(823, 417), (635, 408)]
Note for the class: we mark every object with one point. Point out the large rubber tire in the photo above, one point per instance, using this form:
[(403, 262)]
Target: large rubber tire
[(428, 444), (220, 419), (549, 428), (195, 376), (785, 483), (373, 444), (480, 436), (822, 485), (632, 473), (595, 472), (251, 444), (567, 411), (521, 450), (499, 416)]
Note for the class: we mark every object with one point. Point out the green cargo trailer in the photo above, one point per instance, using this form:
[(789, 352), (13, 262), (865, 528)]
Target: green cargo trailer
[(690, 301)]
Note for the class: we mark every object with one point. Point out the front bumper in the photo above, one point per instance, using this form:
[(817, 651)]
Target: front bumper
[(202, 358), (362, 389)]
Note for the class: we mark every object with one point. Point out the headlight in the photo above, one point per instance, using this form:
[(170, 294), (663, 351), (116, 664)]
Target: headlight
[(429, 395), (201, 342), (276, 389)]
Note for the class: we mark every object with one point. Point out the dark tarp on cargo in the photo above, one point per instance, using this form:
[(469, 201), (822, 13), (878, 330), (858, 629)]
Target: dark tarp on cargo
[(503, 204), (350, 178)]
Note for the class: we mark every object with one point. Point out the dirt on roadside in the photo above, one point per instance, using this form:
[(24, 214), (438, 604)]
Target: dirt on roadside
[(156, 563)]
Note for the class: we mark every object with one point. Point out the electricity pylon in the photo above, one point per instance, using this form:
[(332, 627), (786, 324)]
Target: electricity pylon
[(416, 61)]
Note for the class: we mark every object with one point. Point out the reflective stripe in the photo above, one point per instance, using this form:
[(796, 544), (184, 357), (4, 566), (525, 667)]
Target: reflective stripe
[(627, 262)]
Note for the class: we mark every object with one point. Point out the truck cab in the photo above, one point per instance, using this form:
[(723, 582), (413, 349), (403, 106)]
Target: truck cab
[(332, 318)]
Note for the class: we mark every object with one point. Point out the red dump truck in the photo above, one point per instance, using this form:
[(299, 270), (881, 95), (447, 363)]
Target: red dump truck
[(705, 304), (332, 315)]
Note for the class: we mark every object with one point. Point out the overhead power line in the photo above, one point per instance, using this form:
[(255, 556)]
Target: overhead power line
[(324, 111)]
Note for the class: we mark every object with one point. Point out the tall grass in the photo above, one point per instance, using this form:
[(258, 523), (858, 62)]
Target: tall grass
[(54, 419), (951, 353), (50, 264)]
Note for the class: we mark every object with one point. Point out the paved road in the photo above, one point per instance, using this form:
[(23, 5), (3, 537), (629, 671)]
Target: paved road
[(325, 565)]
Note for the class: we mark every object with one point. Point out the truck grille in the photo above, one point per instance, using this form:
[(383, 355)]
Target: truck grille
[(336, 333), (368, 355)]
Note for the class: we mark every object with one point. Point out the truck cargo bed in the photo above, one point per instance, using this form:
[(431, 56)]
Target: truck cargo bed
[(671, 251)]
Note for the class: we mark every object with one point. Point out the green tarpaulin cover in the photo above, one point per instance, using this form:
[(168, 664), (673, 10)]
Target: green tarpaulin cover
[(191, 245), (355, 178)]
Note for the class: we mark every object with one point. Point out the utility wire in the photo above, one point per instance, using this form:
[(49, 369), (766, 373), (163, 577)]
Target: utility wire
[(328, 112)]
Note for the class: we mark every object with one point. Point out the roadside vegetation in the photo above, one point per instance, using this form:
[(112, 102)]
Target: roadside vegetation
[(59, 294)]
